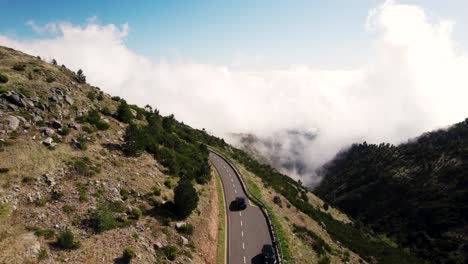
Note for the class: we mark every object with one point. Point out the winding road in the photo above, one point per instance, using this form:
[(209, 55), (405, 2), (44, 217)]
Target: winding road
[(247, 229)]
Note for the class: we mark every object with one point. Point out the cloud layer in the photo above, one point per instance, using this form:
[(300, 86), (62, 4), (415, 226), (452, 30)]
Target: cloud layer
[(416, 80)]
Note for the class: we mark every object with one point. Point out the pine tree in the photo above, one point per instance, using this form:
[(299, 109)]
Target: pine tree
[(135, 140), (185, 198), (123, 112)]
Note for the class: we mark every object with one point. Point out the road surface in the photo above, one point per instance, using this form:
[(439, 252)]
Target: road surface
[(247, 229)]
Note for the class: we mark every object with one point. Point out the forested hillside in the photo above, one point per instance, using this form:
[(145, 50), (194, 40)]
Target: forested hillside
[(416, 193)]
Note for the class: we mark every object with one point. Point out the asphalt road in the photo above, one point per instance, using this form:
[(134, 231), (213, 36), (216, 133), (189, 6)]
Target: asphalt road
[(247, 229)]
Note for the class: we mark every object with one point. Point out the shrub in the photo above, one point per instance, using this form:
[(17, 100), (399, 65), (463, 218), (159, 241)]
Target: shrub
[(42, 254), (50, 79), (135, 140), (82, 191), (102, 219), (64, 131), (81, 142), (68, 209), (4, 170), (46, 233), (186, 229), (84, 166), (102, 125), (91, 96), (168, 183), (106, 111), (19, 67), (123, 112), (66, 240), (277, 200), (185, 198), (56, 195), (128, 254), (3, 78), (171, 252), (326, 206), (54, 62), (115, 98), (100, 97), (80, 77), (135, 214)]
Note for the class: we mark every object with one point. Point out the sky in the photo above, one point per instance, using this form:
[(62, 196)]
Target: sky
[(346, 71)]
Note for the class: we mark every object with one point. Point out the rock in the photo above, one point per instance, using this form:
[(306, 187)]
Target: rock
[(13, 122), (16, 188), (48, 141), (69, 100), (37, 118), (158, 245), (47, 131), (13, 98), (49, 180), (31, 245), (184, 240), (178, 225), (13, 107), (56, 124)]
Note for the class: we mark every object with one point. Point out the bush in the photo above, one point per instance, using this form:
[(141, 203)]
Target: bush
[(277, 200), (80, 77), (100, 97), (19, 67), (91, 96), (81, 142), (135, 140), (64, 131), (42, 254), (46, 233), (171, 252), (50, 79), (185, 198), (106, 111), (66, 240), (186, 229), (102, 219), (135, 214), (115, 98), (56, 195), (3, 78), (124, 114), (84, 166), (326, 206), (128, 254)]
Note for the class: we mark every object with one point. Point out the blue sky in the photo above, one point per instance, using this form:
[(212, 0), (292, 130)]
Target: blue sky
[(326, 34)]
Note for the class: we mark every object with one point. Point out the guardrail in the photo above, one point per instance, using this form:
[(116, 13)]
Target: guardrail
[(263, 208)]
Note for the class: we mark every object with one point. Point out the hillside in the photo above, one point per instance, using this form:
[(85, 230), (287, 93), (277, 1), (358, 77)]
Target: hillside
[(416, 192), (87, 178), (81, 185)]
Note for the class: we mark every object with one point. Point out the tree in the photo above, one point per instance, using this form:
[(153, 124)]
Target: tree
[(80, 77), (168, 122), (54, 62), (135, 140), (124, 114), (185, 198)]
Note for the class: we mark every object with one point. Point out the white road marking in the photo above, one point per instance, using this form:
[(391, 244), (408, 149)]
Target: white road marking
[(233, 185), (241, 222), (232, 180), (243, 245), (244, 260), (242, 233), (235, 191), (240, 213)]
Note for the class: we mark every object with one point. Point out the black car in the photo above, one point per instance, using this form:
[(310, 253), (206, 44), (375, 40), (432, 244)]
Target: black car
[(268, 254), (240, 202)]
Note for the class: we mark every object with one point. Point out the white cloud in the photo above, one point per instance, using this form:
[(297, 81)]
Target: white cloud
[(416, 81)]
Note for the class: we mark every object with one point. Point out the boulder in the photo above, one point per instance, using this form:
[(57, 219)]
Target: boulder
[(13, 98), (56, 124), (178, 225), (13, 122), (48, 141), (69, 99), (184, 240), (47, 131)]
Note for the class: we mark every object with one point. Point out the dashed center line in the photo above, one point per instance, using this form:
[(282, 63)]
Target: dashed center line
[(243, 246), (241, 222), (244, 260), (242, 233), (240, 213)]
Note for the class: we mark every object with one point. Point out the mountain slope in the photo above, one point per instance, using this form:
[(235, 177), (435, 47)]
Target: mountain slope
[(87, 178), (415, 192)]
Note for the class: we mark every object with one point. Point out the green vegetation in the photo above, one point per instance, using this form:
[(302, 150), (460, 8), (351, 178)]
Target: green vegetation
[(171, 252), (46, 233), (66, 240), (314, 241), (105, 218), (416, 192), (81, 142), (94, 118), (80, 77), (43, 254), (186, 229), (359, 240), (185, 198), (84, 166), (19, 67), (50, 79), (124, 114), (128, 254), (3, 78)]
